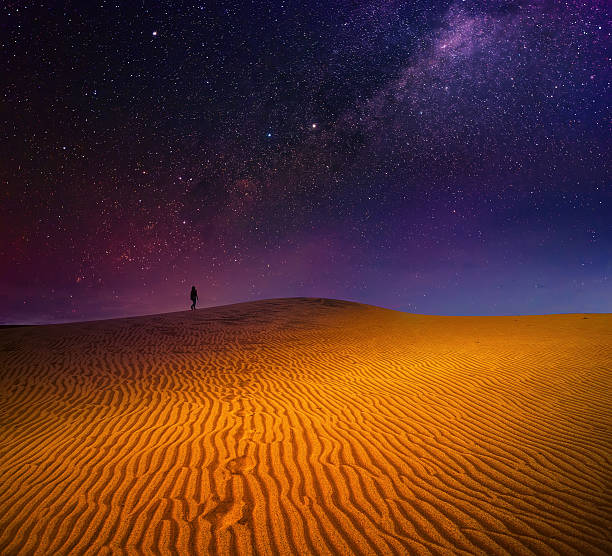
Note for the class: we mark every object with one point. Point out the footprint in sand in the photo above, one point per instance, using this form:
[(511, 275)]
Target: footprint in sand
[(228, 512), (240, 465)]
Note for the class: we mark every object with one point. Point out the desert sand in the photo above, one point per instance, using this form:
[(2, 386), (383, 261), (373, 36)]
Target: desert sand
[(307, 426)]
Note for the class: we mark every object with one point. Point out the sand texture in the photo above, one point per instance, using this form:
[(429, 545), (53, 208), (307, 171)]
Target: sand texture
[(307, 426)]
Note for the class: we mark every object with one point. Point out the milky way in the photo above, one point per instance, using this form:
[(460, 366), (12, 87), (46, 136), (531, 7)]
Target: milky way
[(432, 157)]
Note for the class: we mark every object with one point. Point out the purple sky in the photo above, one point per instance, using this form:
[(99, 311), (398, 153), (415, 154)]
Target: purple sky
[(431, 157)]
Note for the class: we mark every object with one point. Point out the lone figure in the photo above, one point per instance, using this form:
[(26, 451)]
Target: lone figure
[(194, 297)]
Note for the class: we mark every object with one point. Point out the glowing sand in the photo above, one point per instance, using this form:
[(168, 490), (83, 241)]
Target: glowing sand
[(307, 426)]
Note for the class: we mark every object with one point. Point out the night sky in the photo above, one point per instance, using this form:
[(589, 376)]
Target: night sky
[(432, 157)]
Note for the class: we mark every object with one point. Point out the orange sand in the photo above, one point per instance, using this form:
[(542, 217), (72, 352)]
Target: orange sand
[(307, 426)]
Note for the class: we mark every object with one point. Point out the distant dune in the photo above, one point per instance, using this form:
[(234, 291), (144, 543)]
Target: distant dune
[(307, 426)]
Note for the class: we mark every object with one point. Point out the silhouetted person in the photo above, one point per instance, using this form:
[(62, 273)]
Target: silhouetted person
[(194, 297)]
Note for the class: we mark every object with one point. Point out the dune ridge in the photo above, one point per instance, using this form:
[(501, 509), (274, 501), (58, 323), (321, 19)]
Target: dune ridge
[(307, 426)]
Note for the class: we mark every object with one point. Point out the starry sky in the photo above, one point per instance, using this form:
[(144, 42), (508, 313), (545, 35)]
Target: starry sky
[(448, 157)]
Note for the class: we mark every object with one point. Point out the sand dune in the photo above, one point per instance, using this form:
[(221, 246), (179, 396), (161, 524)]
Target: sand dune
[(307, 426)]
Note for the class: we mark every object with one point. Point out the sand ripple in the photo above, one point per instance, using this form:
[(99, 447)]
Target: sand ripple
[(307, 426)]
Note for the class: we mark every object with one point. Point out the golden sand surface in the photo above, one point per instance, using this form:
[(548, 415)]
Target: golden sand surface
[(307, 426)]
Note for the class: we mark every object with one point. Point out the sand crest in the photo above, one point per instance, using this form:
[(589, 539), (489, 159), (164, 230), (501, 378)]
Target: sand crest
[(307, 426)]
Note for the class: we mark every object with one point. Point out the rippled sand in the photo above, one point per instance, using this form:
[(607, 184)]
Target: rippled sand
[(307, 426)]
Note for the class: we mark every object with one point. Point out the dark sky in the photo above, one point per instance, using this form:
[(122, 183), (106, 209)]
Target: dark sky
[(433, 157)]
